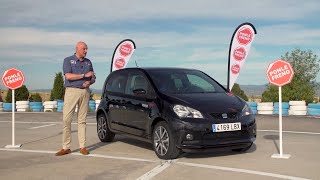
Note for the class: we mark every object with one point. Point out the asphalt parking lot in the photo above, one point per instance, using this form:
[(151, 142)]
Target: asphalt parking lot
[(125, 158)]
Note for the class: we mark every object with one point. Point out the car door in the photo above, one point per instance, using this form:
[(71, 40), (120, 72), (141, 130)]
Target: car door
[(138, 103), (115, 94)]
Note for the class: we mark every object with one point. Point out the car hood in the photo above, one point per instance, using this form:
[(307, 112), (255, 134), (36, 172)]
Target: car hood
[(209, 102)]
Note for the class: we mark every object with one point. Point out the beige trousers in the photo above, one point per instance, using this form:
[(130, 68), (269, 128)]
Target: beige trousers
[(73, 97)]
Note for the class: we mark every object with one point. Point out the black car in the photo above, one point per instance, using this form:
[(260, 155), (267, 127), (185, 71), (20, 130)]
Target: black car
[(177, 110)]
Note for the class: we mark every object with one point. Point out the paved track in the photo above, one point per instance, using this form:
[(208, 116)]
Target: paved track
[(40, 136)]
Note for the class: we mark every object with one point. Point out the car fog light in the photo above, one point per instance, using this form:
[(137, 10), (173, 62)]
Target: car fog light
[(189, 137)]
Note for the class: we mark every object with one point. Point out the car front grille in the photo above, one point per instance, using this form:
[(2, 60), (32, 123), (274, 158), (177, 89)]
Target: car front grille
[(221, 116)]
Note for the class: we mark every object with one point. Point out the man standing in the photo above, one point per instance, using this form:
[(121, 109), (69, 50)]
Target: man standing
[(79, 75)]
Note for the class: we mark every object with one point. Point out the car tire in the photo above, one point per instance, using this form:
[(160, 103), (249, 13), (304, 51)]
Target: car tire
[(243, 149), (164, 142), (103, 131)]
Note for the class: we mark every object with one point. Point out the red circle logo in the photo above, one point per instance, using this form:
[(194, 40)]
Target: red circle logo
[(239, 53), (13, 78), (125, 49), (235, 69), (280, 72), (244, 36), (120, 63)]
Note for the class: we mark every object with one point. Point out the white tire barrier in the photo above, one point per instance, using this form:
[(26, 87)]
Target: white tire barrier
[(21, 110), (298, 108), (48, 110), (1, 104), (50, 106), (22, 106), (297, 113), (297, 103), (265, 112), (265, 104), (1, 109), (265, 108), (22, 103), (50, 103), (97, 103)]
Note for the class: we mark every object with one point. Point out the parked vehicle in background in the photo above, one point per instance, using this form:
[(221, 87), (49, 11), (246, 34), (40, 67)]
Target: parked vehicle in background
[(177, 110)]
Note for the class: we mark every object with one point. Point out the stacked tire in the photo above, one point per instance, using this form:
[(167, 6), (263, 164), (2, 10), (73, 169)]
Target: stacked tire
[(253, 106), (97, 103), (285, 108), (265, 108), (22, 106), (297, 108), (60, 106), (7, 107), (36, 106), (50, 106), (92, 106), (313, 109), (1, 106)]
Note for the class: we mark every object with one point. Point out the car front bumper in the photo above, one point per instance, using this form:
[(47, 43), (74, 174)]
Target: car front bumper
[(198, 136)]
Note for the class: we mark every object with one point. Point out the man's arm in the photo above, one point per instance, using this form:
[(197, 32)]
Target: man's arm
[(71, 76)]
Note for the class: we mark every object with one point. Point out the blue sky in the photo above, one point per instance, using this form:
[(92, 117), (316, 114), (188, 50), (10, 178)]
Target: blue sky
[(37, 35)]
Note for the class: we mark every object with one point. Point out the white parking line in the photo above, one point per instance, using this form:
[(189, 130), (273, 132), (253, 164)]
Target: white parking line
[(242, 171), (37, 127), (293, 132), (158, 169), (79, 154)]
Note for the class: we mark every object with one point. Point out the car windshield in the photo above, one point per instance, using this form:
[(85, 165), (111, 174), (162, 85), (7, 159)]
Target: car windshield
[(182, 81)]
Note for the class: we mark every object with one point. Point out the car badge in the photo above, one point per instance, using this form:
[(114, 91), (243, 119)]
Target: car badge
[(224, 116)]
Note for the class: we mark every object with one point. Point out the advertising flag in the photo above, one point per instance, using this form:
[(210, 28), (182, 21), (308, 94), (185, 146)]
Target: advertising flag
[(240, 44), (122, 54)]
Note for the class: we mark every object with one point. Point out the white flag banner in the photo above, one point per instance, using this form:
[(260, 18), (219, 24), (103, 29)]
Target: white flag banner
[(122, 54), (239, 49)]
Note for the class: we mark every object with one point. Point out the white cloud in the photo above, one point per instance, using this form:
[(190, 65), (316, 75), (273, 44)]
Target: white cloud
[(73, 11)]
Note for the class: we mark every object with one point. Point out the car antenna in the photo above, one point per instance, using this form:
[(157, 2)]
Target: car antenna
[(136, 63)]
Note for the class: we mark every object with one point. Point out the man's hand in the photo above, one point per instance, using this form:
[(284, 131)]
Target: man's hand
[(86, 84), (89, 74)]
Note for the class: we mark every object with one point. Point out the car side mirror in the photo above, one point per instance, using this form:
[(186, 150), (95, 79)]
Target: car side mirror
[(139, 91)]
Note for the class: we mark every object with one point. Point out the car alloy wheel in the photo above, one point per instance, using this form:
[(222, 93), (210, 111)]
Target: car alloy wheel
[(102, 127), (164, 142), (161, 140), (103, 131)]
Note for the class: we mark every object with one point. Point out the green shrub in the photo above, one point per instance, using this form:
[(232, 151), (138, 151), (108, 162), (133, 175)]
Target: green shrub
[(35, 98), (21, 94)]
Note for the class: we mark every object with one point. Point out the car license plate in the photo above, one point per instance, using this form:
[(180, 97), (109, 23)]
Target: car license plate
[(226, 127)]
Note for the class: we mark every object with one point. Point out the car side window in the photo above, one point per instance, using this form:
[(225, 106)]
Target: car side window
[(117, 83), (137, 81)]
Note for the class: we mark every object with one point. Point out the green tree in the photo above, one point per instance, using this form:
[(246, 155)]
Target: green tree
[(35, 98), (302, 87), (58, 89), (1, 100), (20, 94), (237, 91)]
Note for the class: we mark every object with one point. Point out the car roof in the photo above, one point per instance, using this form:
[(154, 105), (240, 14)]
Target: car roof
[(161, 68)]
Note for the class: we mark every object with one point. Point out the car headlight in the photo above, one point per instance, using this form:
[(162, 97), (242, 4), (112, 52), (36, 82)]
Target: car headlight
[(246, 110), (186, 112)]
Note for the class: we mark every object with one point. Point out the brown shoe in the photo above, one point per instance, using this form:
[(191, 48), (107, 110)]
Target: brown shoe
[(63, 152), (84, 151)]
